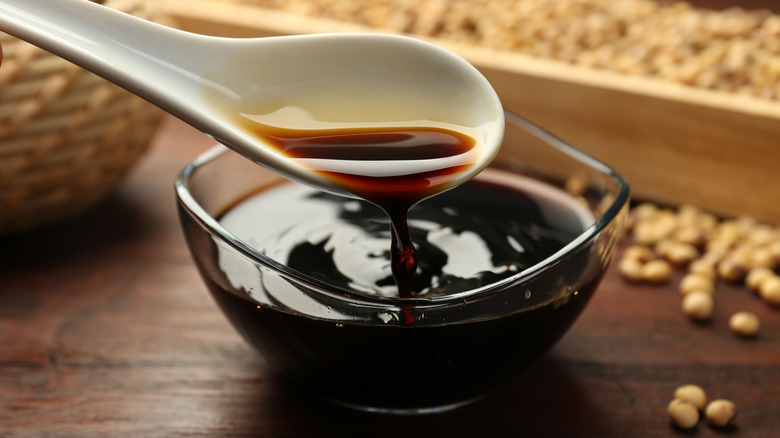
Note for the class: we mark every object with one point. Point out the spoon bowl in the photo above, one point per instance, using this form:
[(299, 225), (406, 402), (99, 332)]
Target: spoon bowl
[(328, 81)]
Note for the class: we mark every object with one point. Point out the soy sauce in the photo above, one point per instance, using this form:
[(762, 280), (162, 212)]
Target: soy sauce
[(393, 168), (477, 234)]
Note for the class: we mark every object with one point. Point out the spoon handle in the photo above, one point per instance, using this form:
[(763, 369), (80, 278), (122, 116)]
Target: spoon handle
[(144, 57), (168, 67)]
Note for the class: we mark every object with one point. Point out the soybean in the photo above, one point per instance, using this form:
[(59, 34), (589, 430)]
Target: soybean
[(697, 282), (720, 412), (656, 271), (698, 305), (770, 290), (693, 394), (755, 278), (744, 324), (683, 413)]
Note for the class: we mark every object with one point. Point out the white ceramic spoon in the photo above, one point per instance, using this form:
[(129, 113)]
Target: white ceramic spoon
[(321, 81)]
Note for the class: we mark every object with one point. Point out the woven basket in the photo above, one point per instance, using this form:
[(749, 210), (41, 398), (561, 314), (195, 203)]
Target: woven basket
[(67, 137)]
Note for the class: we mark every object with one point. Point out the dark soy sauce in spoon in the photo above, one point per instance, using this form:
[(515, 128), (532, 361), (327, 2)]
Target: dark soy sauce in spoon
[(380, 166)]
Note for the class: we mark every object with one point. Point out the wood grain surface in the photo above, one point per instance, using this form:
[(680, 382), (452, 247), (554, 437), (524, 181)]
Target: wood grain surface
[(106, 330)]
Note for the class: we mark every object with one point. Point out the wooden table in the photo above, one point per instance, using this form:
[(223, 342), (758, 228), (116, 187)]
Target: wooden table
[(107, 330)]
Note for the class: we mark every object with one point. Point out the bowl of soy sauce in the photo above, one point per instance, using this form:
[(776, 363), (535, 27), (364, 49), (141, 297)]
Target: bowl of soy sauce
[(504, 264)]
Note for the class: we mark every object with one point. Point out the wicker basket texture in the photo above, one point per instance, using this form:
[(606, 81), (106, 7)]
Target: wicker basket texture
[(67, 137)]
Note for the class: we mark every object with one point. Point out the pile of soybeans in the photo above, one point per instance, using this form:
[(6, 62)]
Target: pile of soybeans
[(711, 250), (732, 50)]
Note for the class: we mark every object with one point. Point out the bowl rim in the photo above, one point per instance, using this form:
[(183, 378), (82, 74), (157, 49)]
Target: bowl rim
[(214, 228)]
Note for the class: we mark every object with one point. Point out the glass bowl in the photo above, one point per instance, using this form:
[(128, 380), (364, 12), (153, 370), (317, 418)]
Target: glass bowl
[(353, 343)]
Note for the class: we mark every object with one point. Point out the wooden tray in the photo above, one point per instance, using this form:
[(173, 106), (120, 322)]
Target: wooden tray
[(675, 144)]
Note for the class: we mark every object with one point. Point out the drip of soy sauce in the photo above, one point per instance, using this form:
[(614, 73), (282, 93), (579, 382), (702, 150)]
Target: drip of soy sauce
[(393, 168)]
